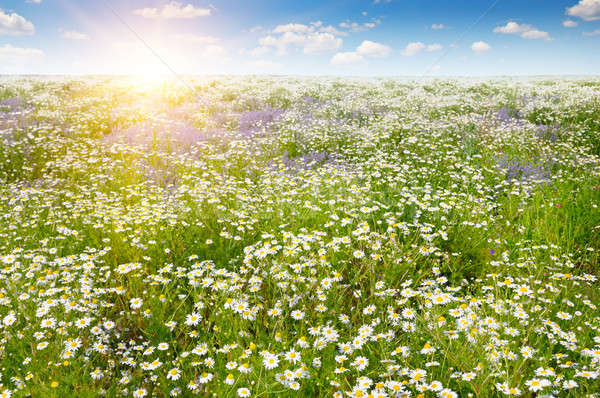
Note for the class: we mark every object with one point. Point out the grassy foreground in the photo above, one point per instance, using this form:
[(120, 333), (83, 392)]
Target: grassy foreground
[(286, 236)]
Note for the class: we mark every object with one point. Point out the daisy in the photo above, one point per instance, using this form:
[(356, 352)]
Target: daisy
[(205, 378), (297, 315), (140, 393), (537, 384), (136, 303), (192, 319), (270, 361), (174, 374), (292, 356)]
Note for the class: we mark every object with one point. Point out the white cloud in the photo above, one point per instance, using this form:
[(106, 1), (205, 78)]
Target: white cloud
[(536, 34), (292, 27), (354, 27), (12, 54), (318, 27), (434, 47), (588, 10), (35, 1), (268, 41), (197, 39), (524, 30), (569, 23), (372, 49), (414, 48), (260, 51), (74, 35), (333, 30), (480, 47), (15, 25), (317, 38), (322, 43), (437, 26), (347, 59), (311, 42), (173, 10), (510, 28), (592, 33)]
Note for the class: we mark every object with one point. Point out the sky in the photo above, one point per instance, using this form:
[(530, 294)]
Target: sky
[(308, 37)]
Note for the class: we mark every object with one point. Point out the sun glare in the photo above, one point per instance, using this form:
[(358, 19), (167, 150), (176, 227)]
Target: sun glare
[(147, 76), (150, 74)]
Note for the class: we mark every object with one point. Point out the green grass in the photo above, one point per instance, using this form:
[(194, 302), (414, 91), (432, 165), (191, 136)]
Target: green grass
[(412, 239)]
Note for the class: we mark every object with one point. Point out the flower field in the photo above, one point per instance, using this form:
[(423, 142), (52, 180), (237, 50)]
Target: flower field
[(280, 237)]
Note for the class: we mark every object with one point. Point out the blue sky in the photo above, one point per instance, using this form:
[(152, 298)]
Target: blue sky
[(382, 38)]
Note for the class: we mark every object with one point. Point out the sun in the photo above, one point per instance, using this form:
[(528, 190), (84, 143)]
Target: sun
[(150, 74), (147, 77)]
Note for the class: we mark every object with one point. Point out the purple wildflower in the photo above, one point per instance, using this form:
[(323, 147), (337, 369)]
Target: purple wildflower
[(508, 116), (309, 160), (252, 122), (517, 169), (546, 132)]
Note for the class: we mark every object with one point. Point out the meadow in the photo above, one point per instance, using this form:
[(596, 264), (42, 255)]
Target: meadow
[(281, 236)]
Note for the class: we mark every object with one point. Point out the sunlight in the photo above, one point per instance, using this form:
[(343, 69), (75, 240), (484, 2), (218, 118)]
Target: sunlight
[(150, 72), (146, 75)]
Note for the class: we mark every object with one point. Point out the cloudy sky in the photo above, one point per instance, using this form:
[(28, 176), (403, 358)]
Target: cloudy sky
[(351, 37)]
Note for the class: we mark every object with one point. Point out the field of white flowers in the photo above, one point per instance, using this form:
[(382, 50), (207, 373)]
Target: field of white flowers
[(278, 237)]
